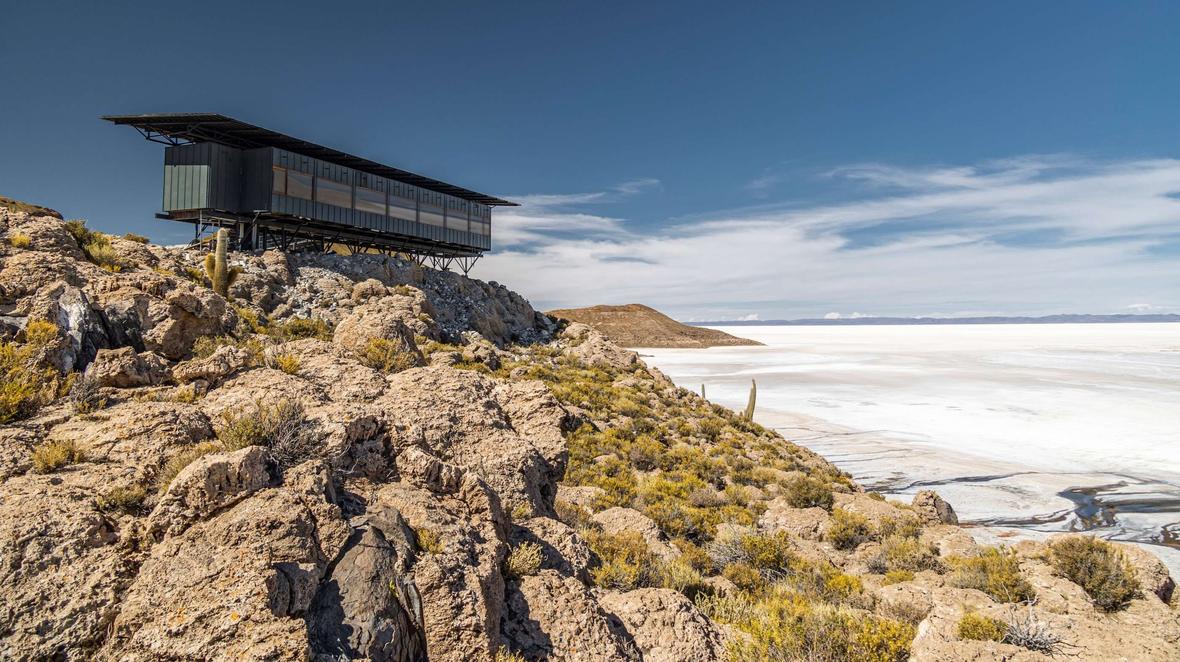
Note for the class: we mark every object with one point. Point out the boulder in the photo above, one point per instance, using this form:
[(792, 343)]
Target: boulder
[(210, 483), (223, 362), (372, 321), (618, 520), (126, 368), (665, 625), (932, 509), (548, 617), (807, 523), (562, 549)]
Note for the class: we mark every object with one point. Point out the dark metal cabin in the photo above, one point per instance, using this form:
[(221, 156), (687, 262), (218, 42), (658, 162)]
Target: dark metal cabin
[(275, 191)]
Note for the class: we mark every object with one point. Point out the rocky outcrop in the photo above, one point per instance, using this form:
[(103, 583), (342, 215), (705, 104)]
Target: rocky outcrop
[(579, 630), (932, 509), (665, 626), (623, 520), (126, 368)]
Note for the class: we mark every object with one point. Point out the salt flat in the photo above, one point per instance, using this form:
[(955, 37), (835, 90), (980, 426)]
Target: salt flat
[(1026, 428)]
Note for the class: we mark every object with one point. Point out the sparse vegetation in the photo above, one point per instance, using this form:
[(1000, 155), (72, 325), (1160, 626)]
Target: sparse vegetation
[(897, 577), (996, 571), (505, 655), (978, 627), (626, 563), (523, 560), (429, 540), (288, 363), (122, 499), (26, 383), (137, 238), (19, 240), (49, 456), (301, 327), (281, 428), (1030, 632), (182, 459), (807, 492), (847, 529), (1099, 568), (386, 356), (84, 395), (95, 245), (31, 209)]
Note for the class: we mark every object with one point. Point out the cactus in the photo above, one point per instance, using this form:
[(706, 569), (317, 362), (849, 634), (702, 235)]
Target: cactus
[(703, 392), (749, 413), (221, 275)]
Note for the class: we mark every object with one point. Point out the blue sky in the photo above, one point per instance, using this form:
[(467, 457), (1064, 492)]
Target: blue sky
[(713, 160)]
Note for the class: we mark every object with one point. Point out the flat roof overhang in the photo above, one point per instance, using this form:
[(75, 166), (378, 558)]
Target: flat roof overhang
[(182, 128)]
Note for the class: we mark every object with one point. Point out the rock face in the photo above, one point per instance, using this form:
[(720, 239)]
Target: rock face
[(263, 495)]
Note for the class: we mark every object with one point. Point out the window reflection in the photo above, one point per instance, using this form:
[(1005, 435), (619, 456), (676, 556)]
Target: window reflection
[(279, 177), (370, 200), (299, 185), (333, 193)]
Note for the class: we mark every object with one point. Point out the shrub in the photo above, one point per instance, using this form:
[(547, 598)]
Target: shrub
[(978, 627), (301, 327), (281, 428), (1030, 632), (523, 560), (19, 240), (387, 356), (901, 553), (505, 655), (137, 238), (122, 499), (576, 516), (679, 575), (744, 576), (806, 492), (178, 462), (49, 456), (625, 561), (897, 577), (996, 571), (783, 625), (99, 251), (906, 526), (905, 611), (847, 529), (25, 385), (429, 540), (84, 396), (1098, 567), (288, 363)]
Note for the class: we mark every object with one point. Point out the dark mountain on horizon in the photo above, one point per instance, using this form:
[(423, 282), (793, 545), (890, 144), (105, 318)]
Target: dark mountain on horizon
[(884, 321)]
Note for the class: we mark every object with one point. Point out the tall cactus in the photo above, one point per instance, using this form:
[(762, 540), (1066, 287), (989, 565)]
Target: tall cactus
[(221, 275), (749, 413), (703, 392)]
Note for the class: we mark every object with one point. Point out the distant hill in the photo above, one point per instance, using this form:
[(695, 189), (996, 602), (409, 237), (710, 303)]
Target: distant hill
[(636, 325), (871, 321)]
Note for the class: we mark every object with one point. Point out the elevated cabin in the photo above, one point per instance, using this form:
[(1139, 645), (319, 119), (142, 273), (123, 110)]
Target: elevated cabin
[(275, 191)]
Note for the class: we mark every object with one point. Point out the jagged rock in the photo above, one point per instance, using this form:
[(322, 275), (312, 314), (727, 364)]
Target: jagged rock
[(462, 416), (341, 377), (234, 586), (375, 322), (460, 583), (209, 484), (593, 348), (807, 523), (933, 509), (950, 540), (367, 608), (70, 309), (367, 289), (185, 314), (665, 625), (876, 511), (562, 549), (46, 233), (223, 362), (126, 368), (621, 520), (61, 569), (580, 495), (551, 618)]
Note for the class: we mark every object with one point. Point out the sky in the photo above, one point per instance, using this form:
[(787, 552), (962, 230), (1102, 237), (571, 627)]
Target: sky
[(713, 160)]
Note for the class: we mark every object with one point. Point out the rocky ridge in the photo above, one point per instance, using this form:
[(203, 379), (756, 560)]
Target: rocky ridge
[(636, 325), (358, 458)]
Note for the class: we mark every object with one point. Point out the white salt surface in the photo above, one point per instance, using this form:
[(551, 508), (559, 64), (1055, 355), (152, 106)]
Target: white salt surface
[(1025, 428)]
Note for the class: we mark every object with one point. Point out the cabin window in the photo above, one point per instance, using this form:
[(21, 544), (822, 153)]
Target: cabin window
[(279, 177), (333, 193), (369, 200), (299, 185)]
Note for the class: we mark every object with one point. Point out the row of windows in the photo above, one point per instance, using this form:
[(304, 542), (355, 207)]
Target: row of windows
[(398, 204)]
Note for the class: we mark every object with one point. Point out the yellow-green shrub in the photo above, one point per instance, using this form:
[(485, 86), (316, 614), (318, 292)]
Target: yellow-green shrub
[(626, 562), (902, 553), (897, 577), (137, 238), (122, 499), (49, 456), (996, 571), (524, 560), (429, 540), (288, 363), (1098, 567), (978, 627), (19, 240), (386, 356), (847, 529), (25, 386), (301, 327), (806, 492)]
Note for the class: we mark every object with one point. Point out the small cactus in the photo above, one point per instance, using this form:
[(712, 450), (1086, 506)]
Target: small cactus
[(749, 413), (703, 392), (221, 275)]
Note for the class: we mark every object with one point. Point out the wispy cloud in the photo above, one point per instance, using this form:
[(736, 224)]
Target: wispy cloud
[(1033, 234)]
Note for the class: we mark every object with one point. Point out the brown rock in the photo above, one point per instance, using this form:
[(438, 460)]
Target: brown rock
[(209, 484), (665, 625), (807, 523), (126, 368), (551, 618), (562, 548), (932, 509), (620, 520), (223, 362)]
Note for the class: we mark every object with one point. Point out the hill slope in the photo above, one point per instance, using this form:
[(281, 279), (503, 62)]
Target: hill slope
[(636, 325)]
